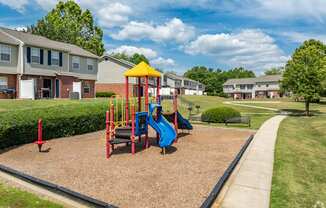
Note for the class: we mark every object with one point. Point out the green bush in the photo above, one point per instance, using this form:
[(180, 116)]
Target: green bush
[(20, 127), (219, 115), (104, 94)]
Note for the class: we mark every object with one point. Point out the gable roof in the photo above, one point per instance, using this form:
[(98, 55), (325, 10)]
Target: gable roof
[(266, 78), (7, 39), (118, 61), (40, 41), (269, 78)]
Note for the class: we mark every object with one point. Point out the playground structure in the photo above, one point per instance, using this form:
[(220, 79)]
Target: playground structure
[(126, 126)]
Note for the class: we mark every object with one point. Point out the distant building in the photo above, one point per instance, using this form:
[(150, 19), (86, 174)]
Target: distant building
[(173, 83), (110, 78), (250, 88)]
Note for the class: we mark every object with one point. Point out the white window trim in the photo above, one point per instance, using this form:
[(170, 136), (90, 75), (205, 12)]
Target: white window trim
[(7, 46), (6, 80), (74, 60), (52, 58), (90, 62), (39, 55)]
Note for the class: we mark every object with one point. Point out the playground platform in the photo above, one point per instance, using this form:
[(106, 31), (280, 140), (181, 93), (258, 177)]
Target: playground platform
[(181, 178)]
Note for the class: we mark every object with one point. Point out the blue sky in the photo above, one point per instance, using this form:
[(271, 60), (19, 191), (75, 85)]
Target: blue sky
[(176, 35)]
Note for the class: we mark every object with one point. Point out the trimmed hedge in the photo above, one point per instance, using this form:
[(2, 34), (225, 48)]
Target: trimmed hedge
[(219, 115), (104, 94), (20, 127)]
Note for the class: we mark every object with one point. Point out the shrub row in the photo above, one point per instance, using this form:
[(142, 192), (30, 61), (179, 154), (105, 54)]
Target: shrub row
[(219, 115), (104, 94), (20, 127)]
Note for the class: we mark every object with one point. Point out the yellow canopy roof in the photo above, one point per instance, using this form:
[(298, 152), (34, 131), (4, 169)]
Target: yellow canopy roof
[(142, 70)]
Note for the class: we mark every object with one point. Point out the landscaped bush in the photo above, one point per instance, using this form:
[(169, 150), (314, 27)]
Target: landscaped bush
[(20, 127), (219, 115), (104, 94)]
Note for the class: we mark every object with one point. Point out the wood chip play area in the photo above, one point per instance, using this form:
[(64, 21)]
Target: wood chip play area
[(183, 177)]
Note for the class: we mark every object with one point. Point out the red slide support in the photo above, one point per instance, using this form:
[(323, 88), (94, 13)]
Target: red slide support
[(133, 130), (107, 133), (175, 109)]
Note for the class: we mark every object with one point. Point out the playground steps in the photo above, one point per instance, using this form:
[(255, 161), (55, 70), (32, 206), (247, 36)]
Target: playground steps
[(123, 132), (122, 136), (119, 141)]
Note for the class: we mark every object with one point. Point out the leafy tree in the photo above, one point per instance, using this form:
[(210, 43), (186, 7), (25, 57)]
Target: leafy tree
[(135, 58), (305, 71), (274, 71), (68, 23)]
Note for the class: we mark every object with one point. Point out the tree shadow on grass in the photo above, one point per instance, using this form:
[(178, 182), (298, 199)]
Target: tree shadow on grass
[(297, 112)]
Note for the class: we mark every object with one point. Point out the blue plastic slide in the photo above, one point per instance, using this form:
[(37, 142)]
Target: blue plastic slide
[(161, 126)]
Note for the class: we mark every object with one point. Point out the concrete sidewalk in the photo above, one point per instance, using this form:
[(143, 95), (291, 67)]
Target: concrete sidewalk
[(250, 184)]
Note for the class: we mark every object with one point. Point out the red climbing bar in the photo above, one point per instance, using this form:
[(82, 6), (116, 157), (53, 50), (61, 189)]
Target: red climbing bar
[(107, 133), (146, 108), (158, 99), (127, 101), (139, 94), (133, 129), (175, 109)]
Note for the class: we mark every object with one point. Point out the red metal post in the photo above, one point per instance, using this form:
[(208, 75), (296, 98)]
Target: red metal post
[(107, 133), (146, 108), (139, 94), (175, 106), (158, 98), (158, 101), (133, 129), (127, 101), (110, 127), (39, 141)]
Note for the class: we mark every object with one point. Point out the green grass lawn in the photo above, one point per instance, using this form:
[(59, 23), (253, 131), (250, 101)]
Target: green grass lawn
[(14, 105), (289, 105), (16, 198), (299, 178), (258, 116)]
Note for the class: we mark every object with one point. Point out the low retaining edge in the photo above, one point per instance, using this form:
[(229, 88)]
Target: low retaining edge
[(57, 189)]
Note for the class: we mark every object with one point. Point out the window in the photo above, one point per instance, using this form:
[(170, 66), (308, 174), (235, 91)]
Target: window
[(87, 88), (55, 58), (90, 64), (3, 82), (36, 55), (5, 53), (249, 87), (75, 62), (242, 87), (267, 85)]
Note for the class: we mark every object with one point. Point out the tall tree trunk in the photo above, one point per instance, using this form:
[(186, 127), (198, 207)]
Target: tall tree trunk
[(307, 107)]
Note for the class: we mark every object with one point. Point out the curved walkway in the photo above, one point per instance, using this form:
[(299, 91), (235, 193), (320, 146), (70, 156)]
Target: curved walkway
[(250, 184)]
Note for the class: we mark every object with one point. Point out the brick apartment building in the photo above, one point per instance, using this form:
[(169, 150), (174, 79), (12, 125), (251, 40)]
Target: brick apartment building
[(34, 67)]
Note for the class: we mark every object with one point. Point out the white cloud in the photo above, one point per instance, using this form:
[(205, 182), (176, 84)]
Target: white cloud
[(114, 14), (250, 48), (46, 4), (308, 10), (298, 37), (130, 50), (18, 5), (162, 62), (173, 30)]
